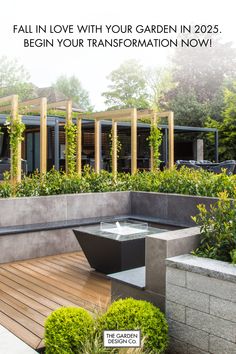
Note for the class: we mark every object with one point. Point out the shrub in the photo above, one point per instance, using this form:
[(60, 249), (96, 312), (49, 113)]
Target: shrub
[(184, 181), (131, 314), (218, 229), (66, 329)]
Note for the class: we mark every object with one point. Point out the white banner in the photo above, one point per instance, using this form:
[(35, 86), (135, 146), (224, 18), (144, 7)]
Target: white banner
[(124, 339)]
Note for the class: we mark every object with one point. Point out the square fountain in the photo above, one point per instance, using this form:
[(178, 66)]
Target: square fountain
[(116, 246)]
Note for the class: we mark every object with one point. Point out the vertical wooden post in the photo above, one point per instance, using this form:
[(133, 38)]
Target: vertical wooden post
[(114, 147), (68, 121), (79, 146), (97, 144), (15, 175), (171, 139), (43, 136), (134, 141), (153, 123)]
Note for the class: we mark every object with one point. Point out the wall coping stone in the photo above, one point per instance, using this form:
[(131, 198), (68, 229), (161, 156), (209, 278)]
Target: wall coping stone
[(194, 196), (213, 199), (176, 234), (40, 197), (204, 266), (63, 224)]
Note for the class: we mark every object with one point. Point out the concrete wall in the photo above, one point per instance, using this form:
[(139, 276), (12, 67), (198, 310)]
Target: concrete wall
[(174, 208), (153, 279), (32, 210), (161, 246), (201, 305), (37, 244)]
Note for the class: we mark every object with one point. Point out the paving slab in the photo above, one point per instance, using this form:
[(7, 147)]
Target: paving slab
[(10, 344)]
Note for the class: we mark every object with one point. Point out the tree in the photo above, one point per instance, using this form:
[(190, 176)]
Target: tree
[(72, 88), (128, 88), (159, 82), (204, 69), (199, 74), (14, 79), (227, 127), (187, 109)]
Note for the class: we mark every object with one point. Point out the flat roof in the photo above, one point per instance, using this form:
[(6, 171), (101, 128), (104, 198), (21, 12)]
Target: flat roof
[(51, 121)]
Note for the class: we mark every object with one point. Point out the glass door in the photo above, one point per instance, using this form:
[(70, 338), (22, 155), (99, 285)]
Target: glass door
[(33, 151)]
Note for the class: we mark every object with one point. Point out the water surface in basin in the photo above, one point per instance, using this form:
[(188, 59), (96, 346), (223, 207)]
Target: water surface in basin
[(124, 228)]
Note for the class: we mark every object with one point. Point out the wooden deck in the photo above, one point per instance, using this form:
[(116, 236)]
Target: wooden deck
[(30, 290)]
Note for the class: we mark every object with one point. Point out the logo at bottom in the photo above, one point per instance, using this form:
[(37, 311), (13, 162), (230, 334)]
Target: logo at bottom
[(124, 339)]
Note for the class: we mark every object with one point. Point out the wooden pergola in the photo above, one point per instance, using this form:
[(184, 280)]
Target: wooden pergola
[(131, 115), (12, 106), (38, 105)]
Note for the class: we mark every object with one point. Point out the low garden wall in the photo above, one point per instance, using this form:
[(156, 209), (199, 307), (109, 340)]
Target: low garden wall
[(201, 305), (32, 210), (19, 214), (158, 207), (176, 209)]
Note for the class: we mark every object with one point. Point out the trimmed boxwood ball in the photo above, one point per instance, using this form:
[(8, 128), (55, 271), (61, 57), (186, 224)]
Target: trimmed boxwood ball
[(131, 314), (66, 329)]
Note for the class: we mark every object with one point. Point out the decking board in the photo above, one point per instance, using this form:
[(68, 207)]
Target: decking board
[(31, 289)]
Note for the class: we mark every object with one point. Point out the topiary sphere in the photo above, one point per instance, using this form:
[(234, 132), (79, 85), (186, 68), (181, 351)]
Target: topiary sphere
[(66, 329), (131, 314)]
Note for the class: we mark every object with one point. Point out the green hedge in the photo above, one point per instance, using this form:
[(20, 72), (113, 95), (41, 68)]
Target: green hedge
[(184, 181)]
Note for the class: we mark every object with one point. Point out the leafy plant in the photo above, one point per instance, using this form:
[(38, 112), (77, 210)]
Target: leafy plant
[(233, 256), (94, 345), (131, 314), (184, 181), (218, 229), (226, 126), (118, 145), (70, 131), (66, 329), (15, 130), (155, 140)]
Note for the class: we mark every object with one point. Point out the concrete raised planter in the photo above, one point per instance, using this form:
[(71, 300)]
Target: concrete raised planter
[(32, 210), (39, 212), (176, 209), (158, 207), (201, 305)]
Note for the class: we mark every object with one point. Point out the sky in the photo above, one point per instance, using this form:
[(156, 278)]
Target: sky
[(93, 65)]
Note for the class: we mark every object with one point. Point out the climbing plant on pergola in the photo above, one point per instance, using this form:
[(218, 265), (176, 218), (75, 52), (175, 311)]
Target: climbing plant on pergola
[(131, 115), (38, 105)]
